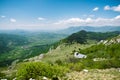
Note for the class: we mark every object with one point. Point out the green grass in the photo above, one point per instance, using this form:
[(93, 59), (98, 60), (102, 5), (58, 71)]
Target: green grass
[(63, 52)]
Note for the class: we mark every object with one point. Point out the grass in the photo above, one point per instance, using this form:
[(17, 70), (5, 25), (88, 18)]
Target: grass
[(63, 52)]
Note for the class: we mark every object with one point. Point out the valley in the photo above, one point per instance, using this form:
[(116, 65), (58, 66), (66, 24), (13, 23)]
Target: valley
[(51, 55)]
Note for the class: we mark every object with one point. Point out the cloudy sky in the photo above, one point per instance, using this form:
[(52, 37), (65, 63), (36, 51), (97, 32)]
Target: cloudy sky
[(58, 14)]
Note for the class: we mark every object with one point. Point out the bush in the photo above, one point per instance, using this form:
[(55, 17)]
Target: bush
[(2, 75), (75, 66), (59, 62), (36, 69), (112, 63)]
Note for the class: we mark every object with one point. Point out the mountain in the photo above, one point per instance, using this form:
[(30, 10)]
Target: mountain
[(74, 29), (83, 36)]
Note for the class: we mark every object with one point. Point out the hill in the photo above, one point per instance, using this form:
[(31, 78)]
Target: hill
[(83, 36), (21, 45), (75, 29), (108, 49)]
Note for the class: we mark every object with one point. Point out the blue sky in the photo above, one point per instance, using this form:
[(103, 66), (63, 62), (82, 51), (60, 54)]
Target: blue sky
[(58, 14)]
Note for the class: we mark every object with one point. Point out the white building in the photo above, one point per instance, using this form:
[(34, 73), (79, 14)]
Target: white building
[(78, 55)]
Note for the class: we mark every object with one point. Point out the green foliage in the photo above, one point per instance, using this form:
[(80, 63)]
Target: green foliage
[(22, 53), (2, 75), (112, 63), (102, 36), (75, 66), (36, 69), (8, 41), (103, 51), (59, 62), (79, 37), (82, 36), (25, 45), (108, 56)]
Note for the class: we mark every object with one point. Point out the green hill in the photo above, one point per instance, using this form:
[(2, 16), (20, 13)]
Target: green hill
[(83, 36), (104, 49)]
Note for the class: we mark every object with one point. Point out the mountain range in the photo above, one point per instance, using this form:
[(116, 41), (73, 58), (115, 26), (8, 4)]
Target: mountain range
[(74, 29)]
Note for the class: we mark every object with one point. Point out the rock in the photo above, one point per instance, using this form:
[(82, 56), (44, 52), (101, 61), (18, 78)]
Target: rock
[(118, 69), (118, 40), (31, 79), (14, 78), (44, 78), (3, 79), (94, 59), (85, 70)]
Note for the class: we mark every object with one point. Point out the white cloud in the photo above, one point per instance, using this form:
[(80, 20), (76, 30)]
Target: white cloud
[(96, 9), (41, 19), (114, 8), (3, 16), (89, 22), (12, 20), (117, 17), (65, 23), (71, 21), (107, 7)]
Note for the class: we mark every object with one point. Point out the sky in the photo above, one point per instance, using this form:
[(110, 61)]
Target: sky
[(58, 14)]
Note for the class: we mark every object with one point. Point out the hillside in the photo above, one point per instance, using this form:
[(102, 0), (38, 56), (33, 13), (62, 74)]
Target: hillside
[(83, 36), (23, 44), (102, 57), (108, 49), (9, 41)]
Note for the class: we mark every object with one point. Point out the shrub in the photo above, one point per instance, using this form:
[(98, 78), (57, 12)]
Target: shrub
[(2, 75), (59, 62), (76, 66), (36, 69)]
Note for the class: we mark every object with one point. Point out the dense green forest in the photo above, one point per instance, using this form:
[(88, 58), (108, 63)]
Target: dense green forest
[(82, 36)]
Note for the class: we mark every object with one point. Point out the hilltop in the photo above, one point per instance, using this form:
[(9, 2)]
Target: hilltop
[(83, 36)]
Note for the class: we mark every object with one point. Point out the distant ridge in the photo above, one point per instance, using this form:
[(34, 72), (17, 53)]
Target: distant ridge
[(74, 29), (82, 36)]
